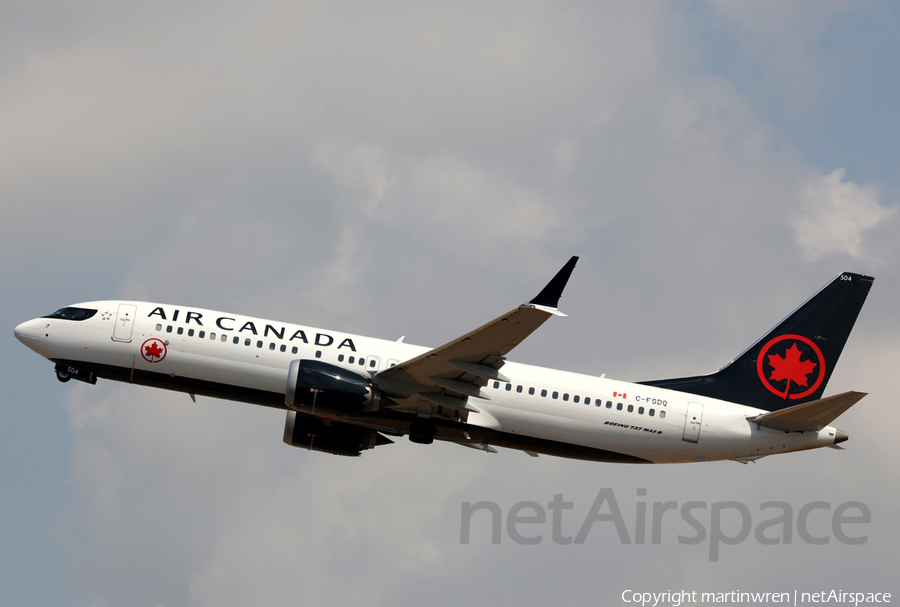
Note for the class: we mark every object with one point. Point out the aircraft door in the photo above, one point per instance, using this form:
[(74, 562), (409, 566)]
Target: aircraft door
[(124, 322), (692, 421)]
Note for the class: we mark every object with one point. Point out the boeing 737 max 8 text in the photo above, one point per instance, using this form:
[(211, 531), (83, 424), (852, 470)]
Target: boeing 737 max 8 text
[(347, 393)]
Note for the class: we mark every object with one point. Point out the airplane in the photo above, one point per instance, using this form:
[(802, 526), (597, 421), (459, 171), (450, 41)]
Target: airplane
[(345, 394)]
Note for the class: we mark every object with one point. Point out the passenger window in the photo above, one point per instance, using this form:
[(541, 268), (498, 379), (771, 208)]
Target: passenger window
[(190, 332), (201, 334), (159, 326), (224, 338), (566, 396), (556, 395), (294, 350), (531, 391), (543, 393), (652, 412), (340, 358), (212, 336), (608, 404), (351, 360), (662, 414), (237, 340), (618, 406), (180, 330), (576, 398), (496, 385), (318, 354), (283, 347), (247, 342), (169, 329), (640, 410), (587, 400), (519, 389), (272, 345), (630, 408), (362, 361), (508, 387)]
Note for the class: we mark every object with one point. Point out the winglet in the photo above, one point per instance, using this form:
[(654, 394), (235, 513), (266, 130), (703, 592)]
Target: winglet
[(549, 297)]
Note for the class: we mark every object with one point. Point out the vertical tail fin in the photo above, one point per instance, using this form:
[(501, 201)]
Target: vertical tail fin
[(793, 362)]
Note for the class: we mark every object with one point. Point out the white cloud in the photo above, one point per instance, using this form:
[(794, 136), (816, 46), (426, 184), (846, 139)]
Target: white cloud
[(364, 170), (835, 214)]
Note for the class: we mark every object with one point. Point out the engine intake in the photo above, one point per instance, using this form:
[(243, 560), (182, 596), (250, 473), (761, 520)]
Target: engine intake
[(313, 384), (329, 437)]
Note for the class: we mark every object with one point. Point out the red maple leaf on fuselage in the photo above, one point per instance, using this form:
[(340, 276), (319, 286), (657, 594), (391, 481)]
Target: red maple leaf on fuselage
[(153, 350), (791, 368)]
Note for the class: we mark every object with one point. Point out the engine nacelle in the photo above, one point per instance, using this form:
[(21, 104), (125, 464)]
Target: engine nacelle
[(316, 386), (329, 437)]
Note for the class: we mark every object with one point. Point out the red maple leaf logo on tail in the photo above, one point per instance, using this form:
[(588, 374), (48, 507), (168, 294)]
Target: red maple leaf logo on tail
[(791, 368)]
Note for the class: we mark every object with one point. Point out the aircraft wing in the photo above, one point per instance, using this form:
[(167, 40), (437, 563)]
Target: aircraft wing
[(451, 375)]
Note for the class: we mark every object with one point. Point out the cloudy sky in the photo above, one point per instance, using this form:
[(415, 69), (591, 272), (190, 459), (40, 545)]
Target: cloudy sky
[(417, 169)]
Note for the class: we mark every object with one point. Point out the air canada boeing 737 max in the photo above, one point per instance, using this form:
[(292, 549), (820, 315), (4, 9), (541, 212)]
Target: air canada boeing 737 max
[(347, 393)]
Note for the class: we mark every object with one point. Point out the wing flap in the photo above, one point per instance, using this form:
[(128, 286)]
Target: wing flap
[(485, 347)]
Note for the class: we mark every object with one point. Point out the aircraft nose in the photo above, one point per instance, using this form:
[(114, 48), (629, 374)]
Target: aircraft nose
[(28, 333)]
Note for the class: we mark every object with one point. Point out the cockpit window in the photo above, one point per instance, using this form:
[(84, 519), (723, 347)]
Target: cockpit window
[(72, 313)]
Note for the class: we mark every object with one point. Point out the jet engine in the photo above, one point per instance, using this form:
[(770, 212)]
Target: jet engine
[(314, 387), (329, 437)]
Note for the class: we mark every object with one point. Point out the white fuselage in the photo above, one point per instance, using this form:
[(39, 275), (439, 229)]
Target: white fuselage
[(253, 356)]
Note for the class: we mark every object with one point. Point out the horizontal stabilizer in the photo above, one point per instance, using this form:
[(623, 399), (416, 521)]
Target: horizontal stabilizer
[(812, 416)]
